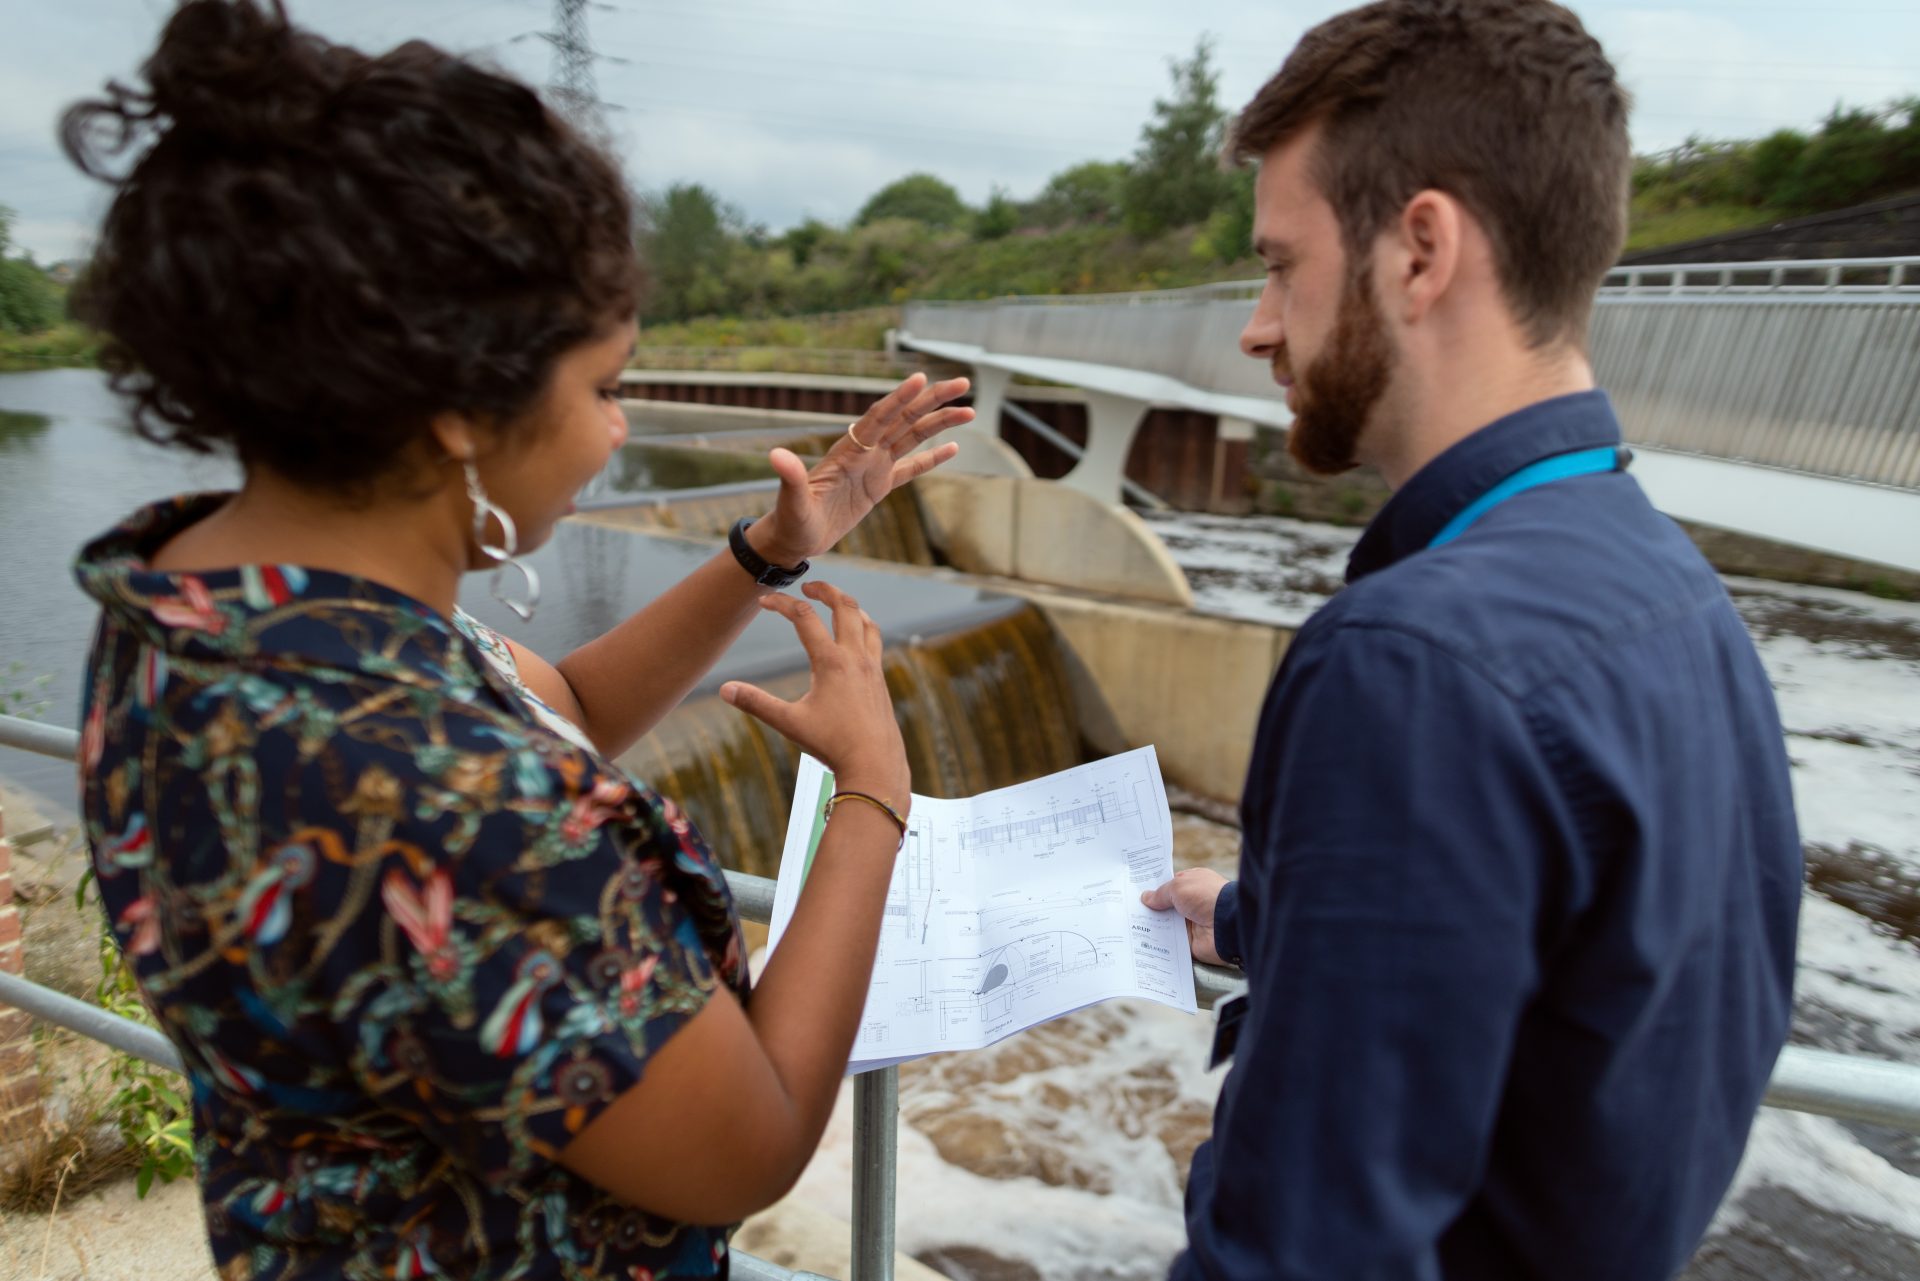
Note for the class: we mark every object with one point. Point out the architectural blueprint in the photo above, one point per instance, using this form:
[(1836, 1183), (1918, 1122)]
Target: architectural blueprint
[(1011, 907)]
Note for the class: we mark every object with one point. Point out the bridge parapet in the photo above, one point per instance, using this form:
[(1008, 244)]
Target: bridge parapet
[(1775, 398), (1819, 380)]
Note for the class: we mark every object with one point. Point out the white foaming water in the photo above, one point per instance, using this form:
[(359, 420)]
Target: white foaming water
[(1821, 1160), (1062, 1232), (1264, 568), (1091, 1102)]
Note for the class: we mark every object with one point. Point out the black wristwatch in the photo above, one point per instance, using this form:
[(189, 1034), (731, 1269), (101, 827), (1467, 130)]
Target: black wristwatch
[(764, 572)]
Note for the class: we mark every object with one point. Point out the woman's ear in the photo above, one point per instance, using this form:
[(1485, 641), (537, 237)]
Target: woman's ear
[(456, 434)]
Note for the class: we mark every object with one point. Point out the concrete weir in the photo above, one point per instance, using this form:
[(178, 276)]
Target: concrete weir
[(1140, 665)]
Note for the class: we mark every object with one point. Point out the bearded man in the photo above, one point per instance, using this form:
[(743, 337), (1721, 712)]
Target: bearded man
[(1521, 872)]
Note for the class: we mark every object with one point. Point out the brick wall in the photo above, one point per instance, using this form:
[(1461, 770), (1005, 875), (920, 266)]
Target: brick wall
[(19, 1069)]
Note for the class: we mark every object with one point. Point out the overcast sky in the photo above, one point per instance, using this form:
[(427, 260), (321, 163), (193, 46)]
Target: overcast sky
[(790, 108)]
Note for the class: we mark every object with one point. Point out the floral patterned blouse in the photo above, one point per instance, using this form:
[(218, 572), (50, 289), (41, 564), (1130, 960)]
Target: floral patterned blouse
[(408, 931)]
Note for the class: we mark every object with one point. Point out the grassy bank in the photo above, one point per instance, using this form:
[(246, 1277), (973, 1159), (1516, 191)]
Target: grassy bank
[(65, 346), (862, 330), (1651, 230)]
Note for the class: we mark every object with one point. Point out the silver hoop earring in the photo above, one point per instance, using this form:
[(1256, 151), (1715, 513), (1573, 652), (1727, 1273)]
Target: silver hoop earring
[(501, 554)]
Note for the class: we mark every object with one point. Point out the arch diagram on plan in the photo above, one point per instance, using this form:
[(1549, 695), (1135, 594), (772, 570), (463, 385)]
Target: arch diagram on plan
[(982, 988)]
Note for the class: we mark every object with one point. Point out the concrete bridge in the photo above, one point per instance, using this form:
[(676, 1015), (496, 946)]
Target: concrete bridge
[(1775, 399)]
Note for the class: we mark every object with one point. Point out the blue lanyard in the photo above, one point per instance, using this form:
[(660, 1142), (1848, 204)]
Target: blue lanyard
[(1587, 462)]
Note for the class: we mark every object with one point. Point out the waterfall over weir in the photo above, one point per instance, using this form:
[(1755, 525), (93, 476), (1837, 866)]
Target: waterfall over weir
[(977, 680), (980, 707)]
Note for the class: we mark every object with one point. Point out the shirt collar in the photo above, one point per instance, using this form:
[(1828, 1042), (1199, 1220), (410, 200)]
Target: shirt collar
[(280, 615), (1445, 487)]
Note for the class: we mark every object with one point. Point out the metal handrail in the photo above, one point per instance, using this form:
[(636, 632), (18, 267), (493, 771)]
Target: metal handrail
[(671, 497), (1804, 1080), (831, 362), (1902, 276)]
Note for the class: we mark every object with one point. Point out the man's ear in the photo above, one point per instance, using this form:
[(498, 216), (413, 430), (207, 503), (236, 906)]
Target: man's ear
[(1427, 248)]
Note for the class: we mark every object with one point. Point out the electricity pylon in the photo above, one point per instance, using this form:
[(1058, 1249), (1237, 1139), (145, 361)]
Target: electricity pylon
[(570, 86)]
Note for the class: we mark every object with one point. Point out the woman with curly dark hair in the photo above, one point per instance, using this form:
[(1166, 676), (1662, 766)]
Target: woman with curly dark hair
[(456, 996)]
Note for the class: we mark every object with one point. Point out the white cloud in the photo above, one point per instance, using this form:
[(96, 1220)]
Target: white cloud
[(52, 240), (1726, 74), (757, 169)]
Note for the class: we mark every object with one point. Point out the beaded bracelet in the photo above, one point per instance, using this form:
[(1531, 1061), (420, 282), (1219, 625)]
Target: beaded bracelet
[(874, 801)]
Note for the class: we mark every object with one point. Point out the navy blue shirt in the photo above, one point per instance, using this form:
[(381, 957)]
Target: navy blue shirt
[(1517, 899)]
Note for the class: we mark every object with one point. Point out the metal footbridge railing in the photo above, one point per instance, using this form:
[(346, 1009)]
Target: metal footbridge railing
[(1818, 1081)]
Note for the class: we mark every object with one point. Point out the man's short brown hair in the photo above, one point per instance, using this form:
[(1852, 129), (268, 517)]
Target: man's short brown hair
[(1509, 106)]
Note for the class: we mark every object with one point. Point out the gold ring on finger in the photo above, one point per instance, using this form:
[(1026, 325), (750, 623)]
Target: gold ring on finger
[(858, 444)]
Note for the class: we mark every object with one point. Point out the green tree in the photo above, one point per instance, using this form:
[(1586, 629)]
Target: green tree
[(802, 240), (1228, 236), (1086, 193), (885, 257), (1854, 157), (1176, 179), (918, 197), (1771, 163), (29, 302), (686, 240), (1000, 218)]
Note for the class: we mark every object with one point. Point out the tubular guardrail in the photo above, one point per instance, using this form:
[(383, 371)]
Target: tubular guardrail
[(1795, 275), (823, 361), (1787, 275), (668, 497), (1804, 1080)]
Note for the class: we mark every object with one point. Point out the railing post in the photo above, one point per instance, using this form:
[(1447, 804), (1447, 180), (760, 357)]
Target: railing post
[(876, 1118), (19, 1065)]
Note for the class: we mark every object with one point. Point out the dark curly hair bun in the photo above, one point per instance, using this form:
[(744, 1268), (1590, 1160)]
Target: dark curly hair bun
[(241, 74), (313, 251)]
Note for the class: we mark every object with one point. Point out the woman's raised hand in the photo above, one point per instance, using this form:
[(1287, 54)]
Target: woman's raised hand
[(816, 508), (846, 717)]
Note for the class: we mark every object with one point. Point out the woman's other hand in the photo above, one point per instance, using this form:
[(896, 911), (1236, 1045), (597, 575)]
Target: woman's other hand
[(846, 716), (817, 508), (732, 1107)]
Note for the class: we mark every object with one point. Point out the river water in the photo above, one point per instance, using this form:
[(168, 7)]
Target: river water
[(1059, 1153), (70, 467)]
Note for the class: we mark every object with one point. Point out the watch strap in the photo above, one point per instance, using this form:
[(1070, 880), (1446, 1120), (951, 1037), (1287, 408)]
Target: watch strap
[(764, 572)]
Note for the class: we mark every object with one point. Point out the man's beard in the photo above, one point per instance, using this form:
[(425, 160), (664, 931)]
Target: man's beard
[(1339, 391)]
